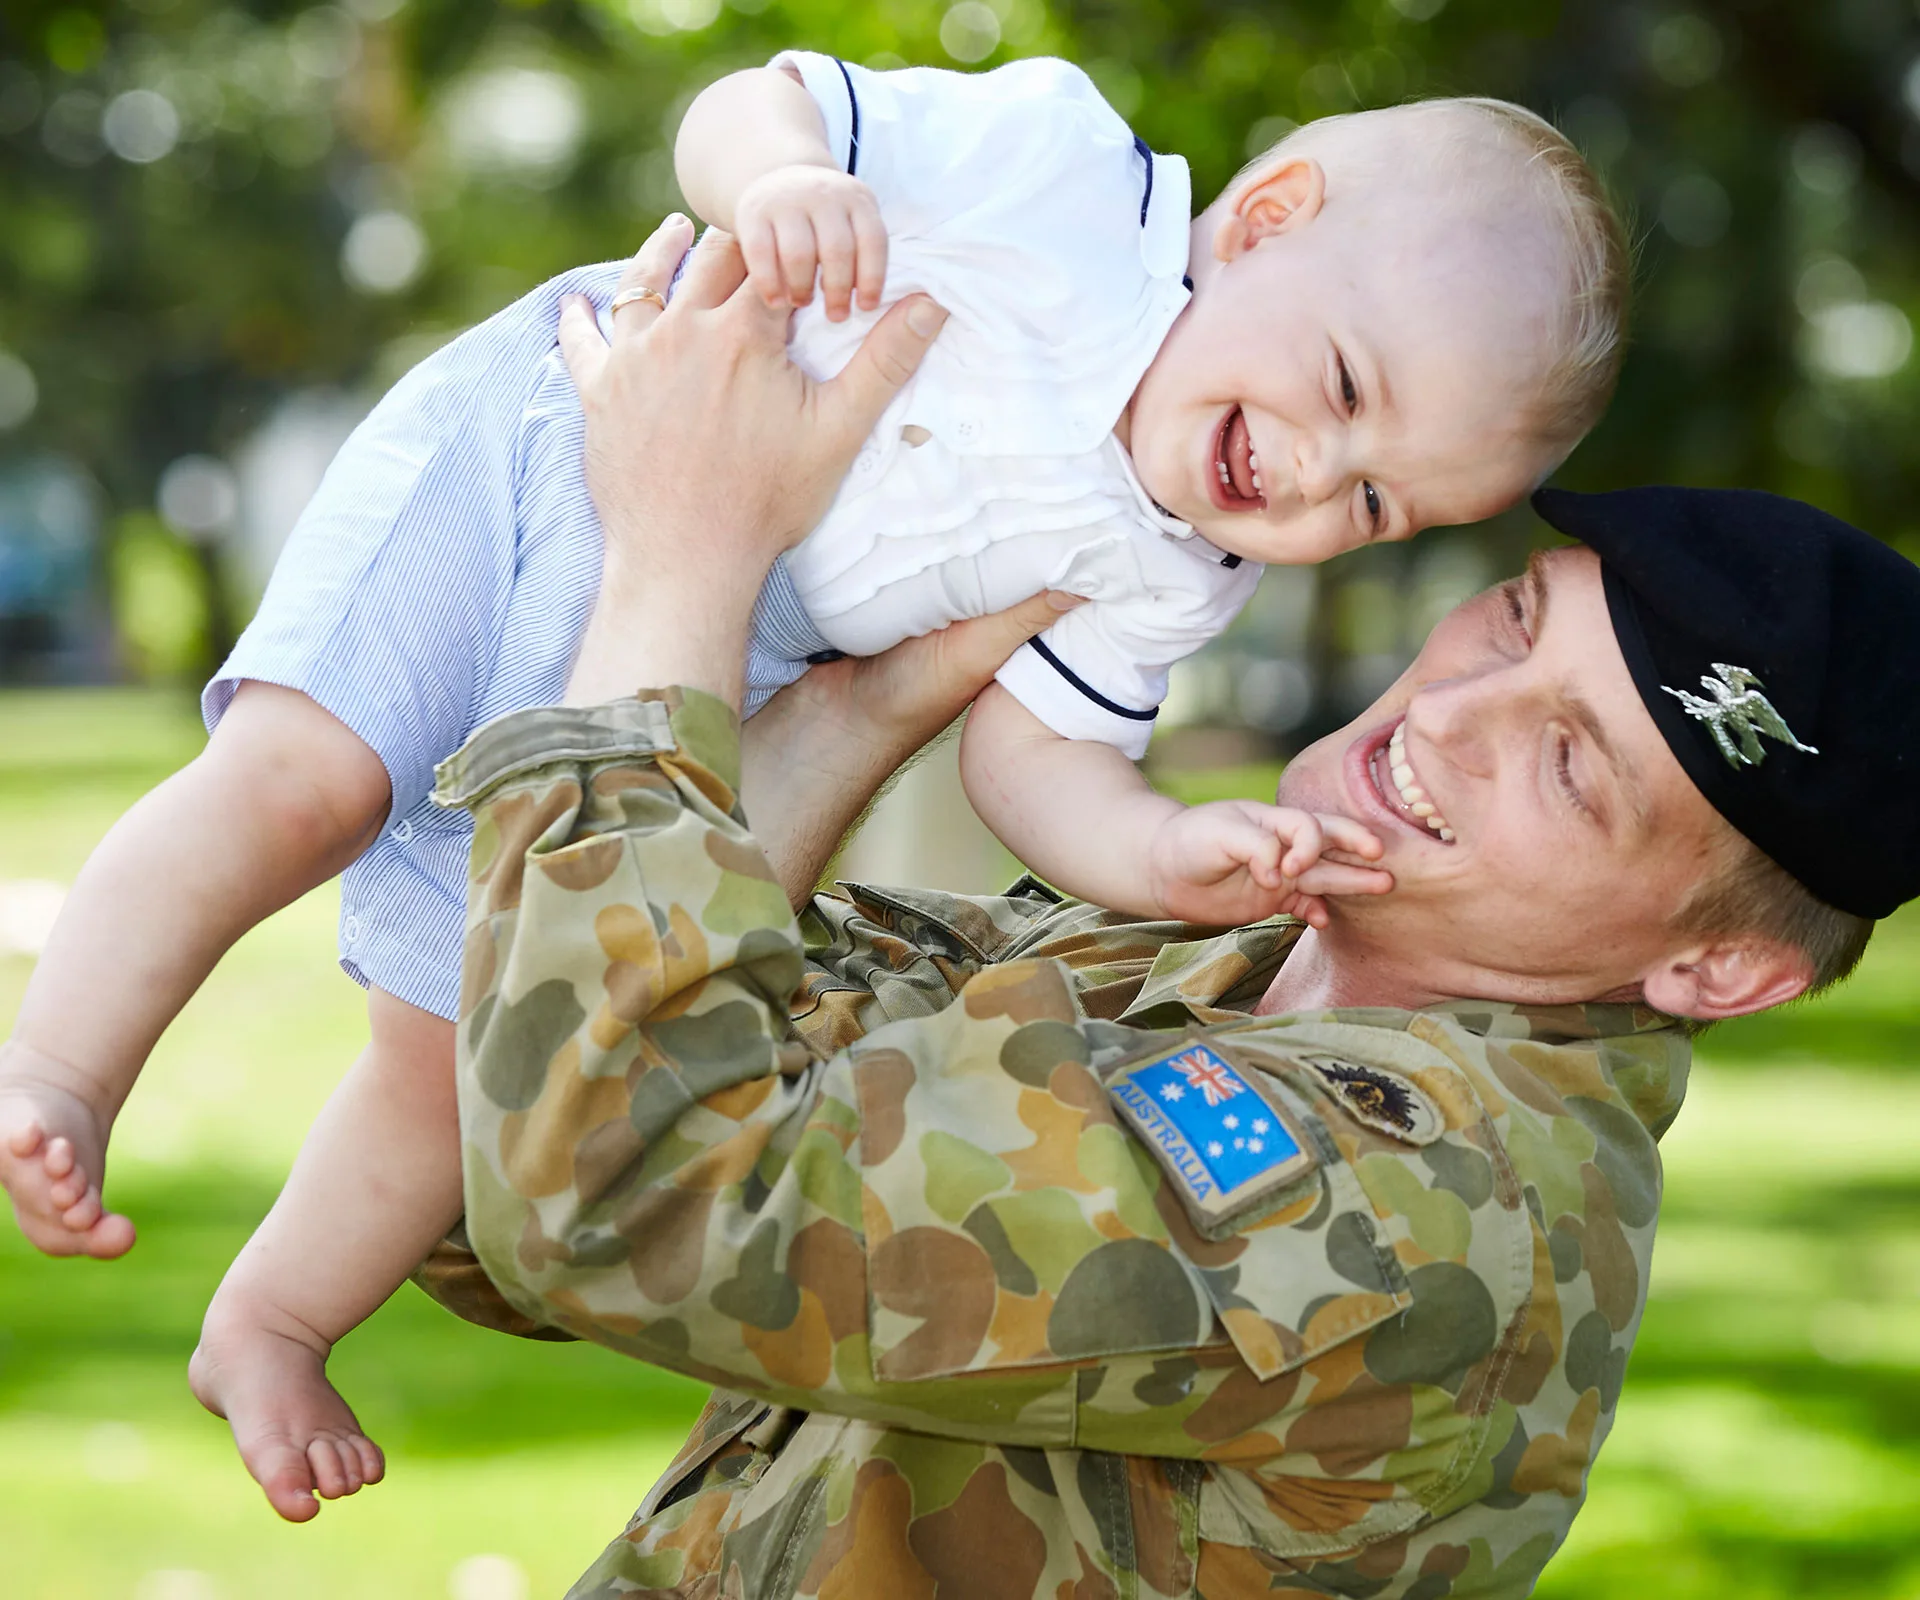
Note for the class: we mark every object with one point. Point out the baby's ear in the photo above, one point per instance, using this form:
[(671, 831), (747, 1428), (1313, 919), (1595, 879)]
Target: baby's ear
[(1286, 192)]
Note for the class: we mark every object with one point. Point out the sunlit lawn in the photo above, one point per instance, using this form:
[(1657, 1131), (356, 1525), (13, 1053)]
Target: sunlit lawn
[(1768, 1443)]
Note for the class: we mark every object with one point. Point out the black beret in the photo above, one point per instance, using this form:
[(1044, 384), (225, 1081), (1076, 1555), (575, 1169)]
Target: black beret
[(1778, 651)]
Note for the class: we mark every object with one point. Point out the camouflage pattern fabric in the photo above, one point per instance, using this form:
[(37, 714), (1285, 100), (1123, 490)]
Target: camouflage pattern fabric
[(863, 1173)]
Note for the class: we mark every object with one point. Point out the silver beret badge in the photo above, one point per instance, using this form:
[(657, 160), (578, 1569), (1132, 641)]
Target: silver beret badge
[(1736, 713)]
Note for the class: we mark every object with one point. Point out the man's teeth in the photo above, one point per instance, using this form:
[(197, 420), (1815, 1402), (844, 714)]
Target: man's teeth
[(1411, 792), (1253, 465), (1226, 477)]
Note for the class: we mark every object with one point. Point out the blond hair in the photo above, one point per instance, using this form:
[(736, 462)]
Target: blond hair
[(1591, 335)]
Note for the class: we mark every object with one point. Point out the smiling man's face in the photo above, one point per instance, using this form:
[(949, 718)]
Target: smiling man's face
[(1541, 836)]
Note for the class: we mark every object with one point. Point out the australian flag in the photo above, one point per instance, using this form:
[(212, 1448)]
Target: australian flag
[(1196, 1096)]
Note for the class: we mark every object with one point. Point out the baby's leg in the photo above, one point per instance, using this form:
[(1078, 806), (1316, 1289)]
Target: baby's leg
[(376, 1185)]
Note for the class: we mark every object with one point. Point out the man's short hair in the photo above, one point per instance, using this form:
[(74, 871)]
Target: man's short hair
[(1754, 894)]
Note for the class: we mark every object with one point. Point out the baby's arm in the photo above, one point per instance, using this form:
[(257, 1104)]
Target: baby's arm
[(282, 798), (1079, 813), (376, 1186), (752, 157)]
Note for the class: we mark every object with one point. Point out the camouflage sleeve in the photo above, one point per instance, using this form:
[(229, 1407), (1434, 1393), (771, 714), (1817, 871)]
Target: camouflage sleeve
[(1372, 1271)]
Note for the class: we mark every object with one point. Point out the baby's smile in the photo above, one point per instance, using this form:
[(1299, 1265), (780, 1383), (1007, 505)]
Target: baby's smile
[(1234, 483)]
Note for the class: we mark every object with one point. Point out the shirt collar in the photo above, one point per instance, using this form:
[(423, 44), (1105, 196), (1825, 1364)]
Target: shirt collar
[(1218, 979)]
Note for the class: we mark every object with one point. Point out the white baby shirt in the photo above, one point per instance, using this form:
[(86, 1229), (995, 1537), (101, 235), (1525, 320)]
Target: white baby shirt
[(1022, 202)]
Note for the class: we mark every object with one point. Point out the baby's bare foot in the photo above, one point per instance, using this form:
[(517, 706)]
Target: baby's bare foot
[(296, 1435), (52, 1159)]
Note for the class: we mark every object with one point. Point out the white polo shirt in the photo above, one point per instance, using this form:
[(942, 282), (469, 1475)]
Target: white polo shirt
[(1022, 202)]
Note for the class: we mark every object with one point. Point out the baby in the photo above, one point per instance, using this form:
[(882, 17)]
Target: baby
[(1389, 320)]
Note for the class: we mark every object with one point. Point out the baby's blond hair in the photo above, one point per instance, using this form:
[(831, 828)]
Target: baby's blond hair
[(1592, 327)]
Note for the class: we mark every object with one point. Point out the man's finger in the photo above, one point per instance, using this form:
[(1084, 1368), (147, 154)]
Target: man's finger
[(716, 269), (891, 354), (979, 647), (652, 267), (581, 346)]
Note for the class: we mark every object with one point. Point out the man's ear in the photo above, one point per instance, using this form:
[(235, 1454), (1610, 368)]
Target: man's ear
[(1285, 194), (1729, 978)]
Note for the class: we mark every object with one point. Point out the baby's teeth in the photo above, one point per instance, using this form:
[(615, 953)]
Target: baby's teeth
[(1432, 822), (1447, 834), (1402, 773), (1421, 808), (1412, 793)]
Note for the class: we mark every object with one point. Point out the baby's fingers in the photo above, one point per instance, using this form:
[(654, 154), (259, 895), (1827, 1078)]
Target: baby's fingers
[(1343, 833), (870, 243), (1303, 849), (799, 255), (833, 237), (1330, 877), (762, 256)]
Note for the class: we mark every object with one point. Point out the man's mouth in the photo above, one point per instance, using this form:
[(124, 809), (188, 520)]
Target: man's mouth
[(1235, 481), (1400, 790)]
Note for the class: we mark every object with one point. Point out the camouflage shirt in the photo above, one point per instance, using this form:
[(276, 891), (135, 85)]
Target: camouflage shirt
[(889, 1176)]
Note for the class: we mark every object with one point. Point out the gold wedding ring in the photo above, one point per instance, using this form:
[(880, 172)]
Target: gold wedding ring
[(627, 297)]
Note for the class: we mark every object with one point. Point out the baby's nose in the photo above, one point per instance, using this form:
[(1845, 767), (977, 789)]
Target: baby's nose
[(1315, 469)]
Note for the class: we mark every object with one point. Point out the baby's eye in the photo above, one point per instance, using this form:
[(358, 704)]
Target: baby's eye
[(1348, 394), (1374, 510)]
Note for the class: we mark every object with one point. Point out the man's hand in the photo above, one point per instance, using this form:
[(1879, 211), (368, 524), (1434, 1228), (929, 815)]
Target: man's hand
[(708, 453), (821, 748), (802, 220), (1237, 861)]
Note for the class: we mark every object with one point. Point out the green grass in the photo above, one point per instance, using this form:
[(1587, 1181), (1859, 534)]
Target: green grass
[(1768, 1443)]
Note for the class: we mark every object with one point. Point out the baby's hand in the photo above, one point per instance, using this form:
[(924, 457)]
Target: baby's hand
[(796, 221), (1236, 861), (52, 1160)]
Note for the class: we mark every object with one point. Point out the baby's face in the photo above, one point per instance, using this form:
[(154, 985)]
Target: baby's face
[(1352, 368)]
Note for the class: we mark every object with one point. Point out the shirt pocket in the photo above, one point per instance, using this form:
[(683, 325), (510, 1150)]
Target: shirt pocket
[(1013, 1223)]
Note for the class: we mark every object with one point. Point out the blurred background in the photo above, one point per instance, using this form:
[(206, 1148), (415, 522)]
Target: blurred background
[(226, 228)]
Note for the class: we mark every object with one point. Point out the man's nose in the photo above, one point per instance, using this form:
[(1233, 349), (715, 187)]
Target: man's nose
[(1463, 718)]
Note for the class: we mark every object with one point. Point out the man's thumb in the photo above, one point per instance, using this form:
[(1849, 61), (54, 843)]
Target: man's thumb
[(891, 354)]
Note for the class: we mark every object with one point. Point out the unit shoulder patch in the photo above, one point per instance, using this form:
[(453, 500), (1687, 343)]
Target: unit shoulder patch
[(1224, 1144), (1381, 1100)]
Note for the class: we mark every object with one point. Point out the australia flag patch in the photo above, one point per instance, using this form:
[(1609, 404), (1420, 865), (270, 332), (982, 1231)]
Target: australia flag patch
[(1222, 1141)]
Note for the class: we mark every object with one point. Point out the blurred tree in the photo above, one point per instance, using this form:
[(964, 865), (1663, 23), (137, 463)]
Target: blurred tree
[(211, 205)]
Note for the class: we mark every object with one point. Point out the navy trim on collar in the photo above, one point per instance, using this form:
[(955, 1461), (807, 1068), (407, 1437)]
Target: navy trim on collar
[(1146, 155), (1088, 689), (853, 137)]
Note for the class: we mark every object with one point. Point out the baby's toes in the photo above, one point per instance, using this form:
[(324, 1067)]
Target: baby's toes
[(336, 1466), (282, 1471), (59, 1161), (373, 1465), (24, 1138), (109, 1237), (81, 1214)]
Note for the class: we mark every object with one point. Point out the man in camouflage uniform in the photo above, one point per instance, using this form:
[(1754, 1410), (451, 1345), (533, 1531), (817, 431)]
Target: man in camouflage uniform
[(864, 1173), (938, 1192)]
